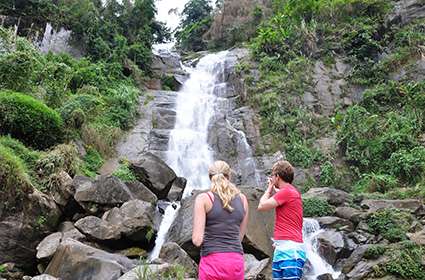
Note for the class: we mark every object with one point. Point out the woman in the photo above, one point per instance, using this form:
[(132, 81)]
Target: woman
[(289, 254), (219, 224)]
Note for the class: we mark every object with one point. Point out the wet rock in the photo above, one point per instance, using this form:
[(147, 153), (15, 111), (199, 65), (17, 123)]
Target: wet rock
[(177, 189), (336, 223), (354, 258), (141, 192), (326, 276), (154, 174), (334, 245), (332, 196), (373, 205), (75, 261), (254, 267), (166, 62), (364, 268), (172, 253)]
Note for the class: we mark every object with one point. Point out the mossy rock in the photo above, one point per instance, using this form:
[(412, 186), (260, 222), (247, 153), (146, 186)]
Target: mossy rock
[(29, 120), (15, 183)]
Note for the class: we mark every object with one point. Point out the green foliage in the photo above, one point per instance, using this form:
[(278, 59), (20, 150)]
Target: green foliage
[(176, 272), (190, 37), (371, 183), (78, 109), (374, 252), (29, 120), (92, 162), (196, 20), (407, 262), (316, 207), (61, 158), (15, 181), (124, 173), (409, 166), (28, 156), (327, 174), (302, 155), (391, 223)]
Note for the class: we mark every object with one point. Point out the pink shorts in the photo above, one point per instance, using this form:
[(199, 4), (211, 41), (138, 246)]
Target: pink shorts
[(222, 266)]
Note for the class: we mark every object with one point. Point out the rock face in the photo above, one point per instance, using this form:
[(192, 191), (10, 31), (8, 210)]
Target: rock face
[(412, 205), (74, 260), (154, 174), (407, 11), (21, 232)]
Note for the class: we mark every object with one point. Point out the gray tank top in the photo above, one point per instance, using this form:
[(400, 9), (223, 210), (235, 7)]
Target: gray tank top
[(222, 227)]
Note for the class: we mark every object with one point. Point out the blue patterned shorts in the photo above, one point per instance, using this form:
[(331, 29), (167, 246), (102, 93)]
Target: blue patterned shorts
[(288, 260)]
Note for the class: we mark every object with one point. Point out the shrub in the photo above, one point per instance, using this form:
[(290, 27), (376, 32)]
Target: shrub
[(374, 252), (61, 158), (327, 174), (92, 162), (392, 224), (302, 155), (316, 207), (29, 120), (29, 157), (409, 166), (407, 262), (79, 107), (372, 182), (124, 173), (14, 180)]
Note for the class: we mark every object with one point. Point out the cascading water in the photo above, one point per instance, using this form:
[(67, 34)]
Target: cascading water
[(318, 266), (188, 152)]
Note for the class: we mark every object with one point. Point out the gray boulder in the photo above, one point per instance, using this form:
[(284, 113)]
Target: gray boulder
[(334, 245), (62, 190), (44, 277), (105, 192), (48, 246), (349, 213), (97, 228), (335, 223), (141, 192), (332, 196), (254, 267), (76, 261), (172, 253), (22, 231), (177, 189), (373, 205), (146, 271), (154, 174)]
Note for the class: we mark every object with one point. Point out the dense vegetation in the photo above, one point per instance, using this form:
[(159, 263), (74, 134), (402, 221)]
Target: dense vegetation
[(50, 101), (381, 137)]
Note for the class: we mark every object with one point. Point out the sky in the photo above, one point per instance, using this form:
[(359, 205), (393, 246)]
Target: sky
[(165, 15)]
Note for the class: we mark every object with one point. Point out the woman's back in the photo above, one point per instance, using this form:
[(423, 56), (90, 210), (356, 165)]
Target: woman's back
[(222, 227)]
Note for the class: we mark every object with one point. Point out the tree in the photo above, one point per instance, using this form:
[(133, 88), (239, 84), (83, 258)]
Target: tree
[(195, 11)]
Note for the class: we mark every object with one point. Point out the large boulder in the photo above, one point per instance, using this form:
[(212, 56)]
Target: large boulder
[(349, 213), (335, 223), (141, 192), (334, 245), (411, 205), (146, 271), (332, 196), (172, 253), (21, 232), (100, 194), (98, 229), (134, 219), (154, 174), (76, 261), (254, 267), (407, 11)]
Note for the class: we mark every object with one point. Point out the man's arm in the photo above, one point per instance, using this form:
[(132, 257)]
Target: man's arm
[(267, 202)]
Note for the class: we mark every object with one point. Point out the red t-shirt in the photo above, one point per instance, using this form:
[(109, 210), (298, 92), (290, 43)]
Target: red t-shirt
[(289, 214)]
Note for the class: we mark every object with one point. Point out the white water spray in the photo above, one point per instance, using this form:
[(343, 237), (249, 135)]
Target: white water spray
[(311, 229)]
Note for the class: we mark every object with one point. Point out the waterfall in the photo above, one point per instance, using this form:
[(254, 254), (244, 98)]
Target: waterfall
[(318, 266), (57, 41), (188, 152)]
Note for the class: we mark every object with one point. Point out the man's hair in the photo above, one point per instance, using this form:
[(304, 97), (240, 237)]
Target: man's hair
[(284, 170)]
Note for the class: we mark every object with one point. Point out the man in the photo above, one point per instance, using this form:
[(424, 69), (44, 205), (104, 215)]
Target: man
[(289, 254)]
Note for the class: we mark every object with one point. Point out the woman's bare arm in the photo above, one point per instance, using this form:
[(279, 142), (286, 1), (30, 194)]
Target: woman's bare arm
[(199, 216), (244, 223)]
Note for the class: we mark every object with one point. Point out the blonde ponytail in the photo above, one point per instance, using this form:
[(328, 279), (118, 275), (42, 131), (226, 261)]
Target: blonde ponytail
[(219, 173)]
